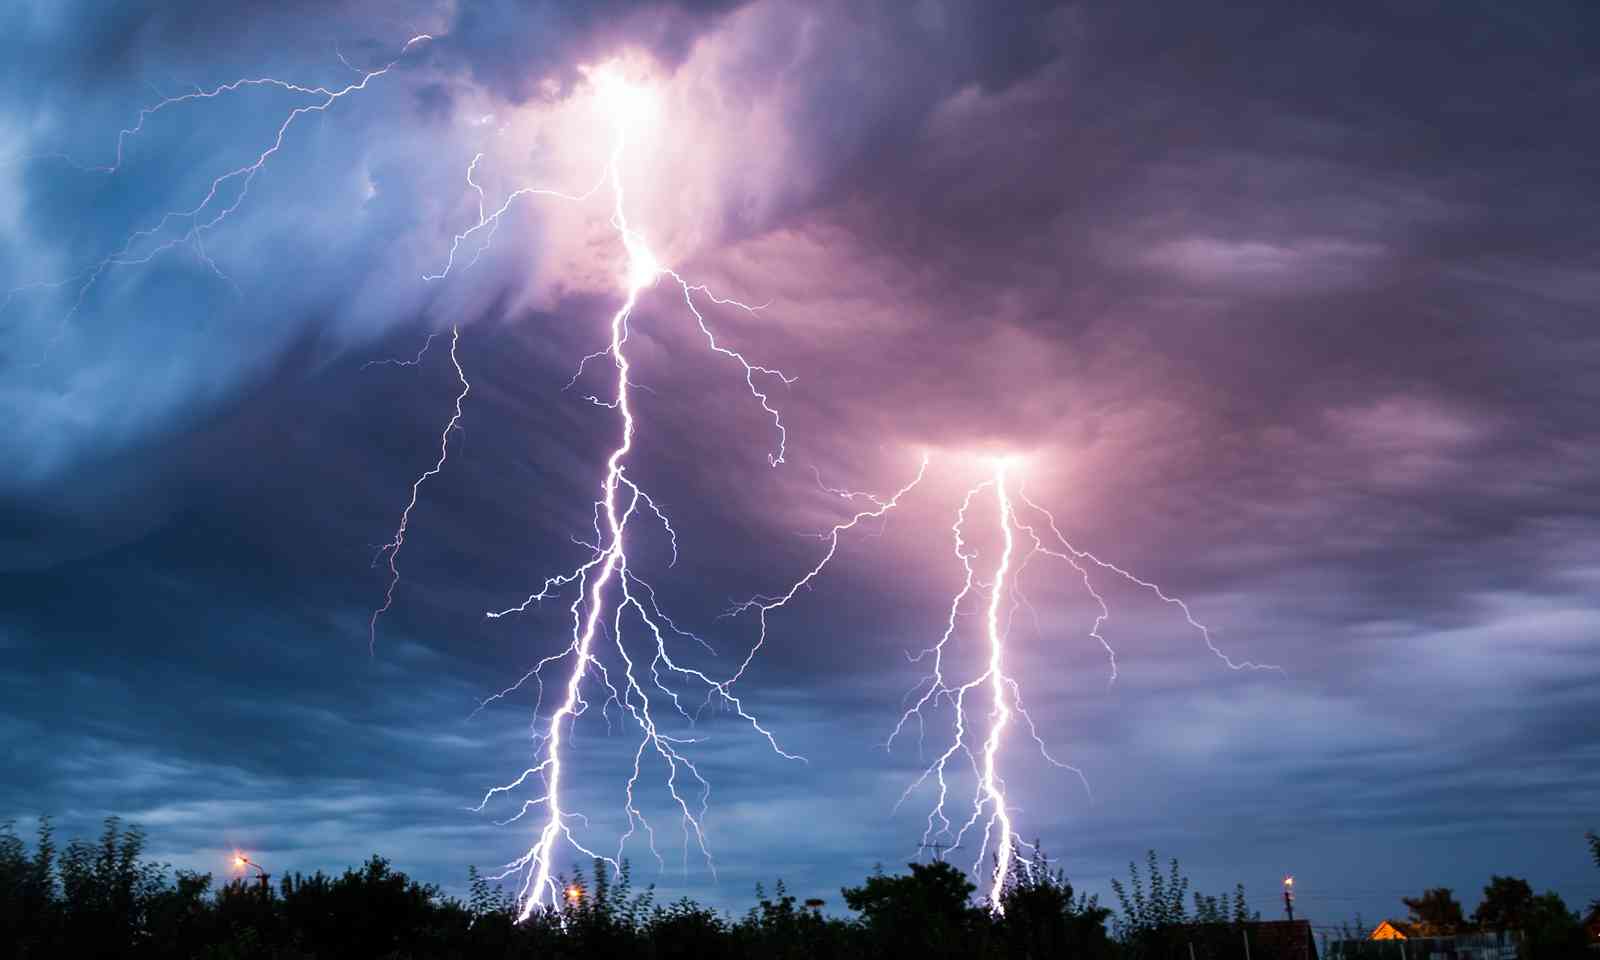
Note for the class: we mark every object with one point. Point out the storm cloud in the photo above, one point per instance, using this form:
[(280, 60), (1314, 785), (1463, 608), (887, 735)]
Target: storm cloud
[(1293, 312)]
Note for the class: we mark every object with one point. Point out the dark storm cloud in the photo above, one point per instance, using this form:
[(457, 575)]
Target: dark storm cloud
[(515, 47), (1295, 262), (1295, 307)]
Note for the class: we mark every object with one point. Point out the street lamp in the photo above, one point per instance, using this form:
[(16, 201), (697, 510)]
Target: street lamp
[(243, 862), (1288, 896)]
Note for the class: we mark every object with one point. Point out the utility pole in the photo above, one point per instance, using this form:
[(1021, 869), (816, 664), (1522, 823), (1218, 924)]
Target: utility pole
[(1288, 896), (937, 848)]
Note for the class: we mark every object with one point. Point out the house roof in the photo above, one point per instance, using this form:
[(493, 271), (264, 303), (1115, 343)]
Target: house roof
[(1393, 930)]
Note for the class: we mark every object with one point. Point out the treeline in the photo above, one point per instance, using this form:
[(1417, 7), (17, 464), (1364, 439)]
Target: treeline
[(101, 898)]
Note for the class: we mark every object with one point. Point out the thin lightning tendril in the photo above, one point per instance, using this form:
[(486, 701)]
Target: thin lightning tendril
[(1073, 555), (415, 361), (209, 212), (392, 548), (765, 604)]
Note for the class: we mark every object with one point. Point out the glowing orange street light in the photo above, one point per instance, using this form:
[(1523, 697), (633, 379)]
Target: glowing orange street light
[(1288, 896), (241, 862), (574, 893)]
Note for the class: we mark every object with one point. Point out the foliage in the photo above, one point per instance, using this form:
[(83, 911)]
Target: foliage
[(774, 928), (1437, 911), (1163, 907), (101, 898), (1507, 903), (1155, 921), (1550, 930), (927, 914), (1224, 909), (1042, 918), (1594, 851), (1547, 927)]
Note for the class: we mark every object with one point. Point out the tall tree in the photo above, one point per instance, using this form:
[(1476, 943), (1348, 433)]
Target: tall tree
[(1437, 910), (1552, 932), (1507, 902)]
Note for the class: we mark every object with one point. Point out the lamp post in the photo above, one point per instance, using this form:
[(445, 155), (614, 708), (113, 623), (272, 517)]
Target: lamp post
[(243, 862), (1288, 896)]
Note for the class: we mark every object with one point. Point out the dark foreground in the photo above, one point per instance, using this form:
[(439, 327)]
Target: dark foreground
[(102, 899)]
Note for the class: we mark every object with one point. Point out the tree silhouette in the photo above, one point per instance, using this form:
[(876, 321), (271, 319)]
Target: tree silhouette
[(27, 888), (1042, 918), (1507, 904), (1550, 930), (1594, 851), (926, 914), (100, 898), (1155, 922), (1163, 906), (1437, 911)]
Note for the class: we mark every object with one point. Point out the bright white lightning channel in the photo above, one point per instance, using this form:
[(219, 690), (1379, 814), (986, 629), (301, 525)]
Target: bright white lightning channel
[(608, 592), (607, 589), (989, 818)]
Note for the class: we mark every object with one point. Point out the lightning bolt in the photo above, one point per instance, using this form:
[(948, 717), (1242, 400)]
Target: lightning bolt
[(609, 594), (989, 817), (193, 222), (611, 599), (1000, 714), (415, 361), (391, 550)]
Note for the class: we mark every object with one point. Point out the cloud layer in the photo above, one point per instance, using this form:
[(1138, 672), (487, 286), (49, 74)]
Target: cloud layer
[(1290, 312)]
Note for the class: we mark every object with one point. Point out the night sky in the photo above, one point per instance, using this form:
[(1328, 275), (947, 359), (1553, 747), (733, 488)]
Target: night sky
[(1294, 312)]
